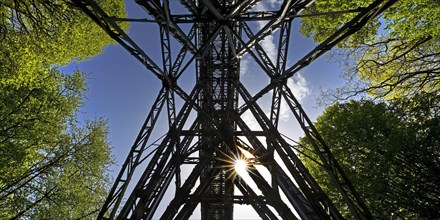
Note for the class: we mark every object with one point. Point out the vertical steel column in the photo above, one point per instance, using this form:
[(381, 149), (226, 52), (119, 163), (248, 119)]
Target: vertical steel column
[(218, 99)]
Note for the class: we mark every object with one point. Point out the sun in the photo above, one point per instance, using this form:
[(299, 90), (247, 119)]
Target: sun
[(240, 166)]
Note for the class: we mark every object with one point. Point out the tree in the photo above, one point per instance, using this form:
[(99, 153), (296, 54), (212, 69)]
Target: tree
[(391, 153), (52, 165), (37, 34), (396, 55)]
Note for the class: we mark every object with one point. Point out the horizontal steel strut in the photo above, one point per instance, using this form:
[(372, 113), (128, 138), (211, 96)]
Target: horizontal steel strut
[(221, 33)]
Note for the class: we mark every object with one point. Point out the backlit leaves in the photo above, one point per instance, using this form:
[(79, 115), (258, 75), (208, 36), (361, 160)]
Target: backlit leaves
[(52, 164), (391, 153)]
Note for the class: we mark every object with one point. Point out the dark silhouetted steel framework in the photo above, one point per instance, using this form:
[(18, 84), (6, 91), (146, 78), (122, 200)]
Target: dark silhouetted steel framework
[(213, 36)]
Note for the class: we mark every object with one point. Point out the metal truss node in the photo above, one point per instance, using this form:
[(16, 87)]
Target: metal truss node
[(208, 42)]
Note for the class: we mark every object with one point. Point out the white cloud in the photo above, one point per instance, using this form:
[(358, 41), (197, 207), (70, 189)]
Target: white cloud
[(300, 89), (244, 64), (268, 4), (268, 42), (252, 123), (299, 86), (275, 3), (250, 120), (270, 48)]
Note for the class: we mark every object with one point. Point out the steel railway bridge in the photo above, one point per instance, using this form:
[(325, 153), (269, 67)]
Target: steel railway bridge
[(220, 34)]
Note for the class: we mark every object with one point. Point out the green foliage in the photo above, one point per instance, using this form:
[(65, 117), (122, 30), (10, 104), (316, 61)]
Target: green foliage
[(409, 20), (39, 34), (52, 166), (320, 27), (391, 153), (396, 55), (401, 68), (390, 150)]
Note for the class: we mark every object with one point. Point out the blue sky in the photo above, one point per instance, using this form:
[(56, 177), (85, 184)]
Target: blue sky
[(122, 90)]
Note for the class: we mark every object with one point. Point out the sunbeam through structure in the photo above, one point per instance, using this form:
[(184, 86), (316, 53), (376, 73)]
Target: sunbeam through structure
[(206, 39)]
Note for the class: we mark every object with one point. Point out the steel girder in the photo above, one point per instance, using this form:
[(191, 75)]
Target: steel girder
[(212, 48)]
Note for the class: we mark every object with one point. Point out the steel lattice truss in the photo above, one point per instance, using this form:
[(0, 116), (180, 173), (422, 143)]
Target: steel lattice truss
[(219, 36)]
